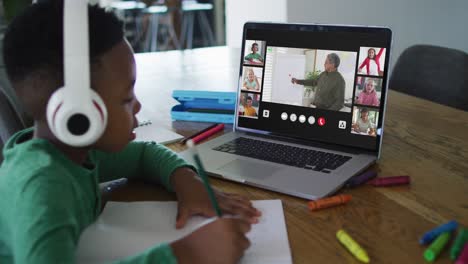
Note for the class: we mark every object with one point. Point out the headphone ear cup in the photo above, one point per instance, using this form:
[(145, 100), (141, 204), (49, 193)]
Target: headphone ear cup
[(53, 106), (100, 110), (74, 121)]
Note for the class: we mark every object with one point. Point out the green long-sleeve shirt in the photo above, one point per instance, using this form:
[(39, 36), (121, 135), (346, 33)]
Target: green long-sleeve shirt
[(330, 90), (46, 200)]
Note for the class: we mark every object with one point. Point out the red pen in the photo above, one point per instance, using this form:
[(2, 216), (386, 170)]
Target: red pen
[(208, 133), (390, 181)]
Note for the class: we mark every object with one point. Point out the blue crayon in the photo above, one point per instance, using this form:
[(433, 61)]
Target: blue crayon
[(361, 179), (431, 235)]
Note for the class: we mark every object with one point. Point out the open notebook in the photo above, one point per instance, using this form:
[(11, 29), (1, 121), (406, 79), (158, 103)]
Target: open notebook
[(147, 131), (125, 229)]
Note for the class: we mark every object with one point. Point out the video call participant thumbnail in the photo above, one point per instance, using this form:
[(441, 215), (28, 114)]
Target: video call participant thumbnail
[(362, 123), (255, 57), (368, 95), (249, 105), (251, 80), (372, 64)]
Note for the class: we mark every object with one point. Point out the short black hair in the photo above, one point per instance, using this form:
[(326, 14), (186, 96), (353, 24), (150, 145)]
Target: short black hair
[(249, 98), (254, 44), (34, 39)]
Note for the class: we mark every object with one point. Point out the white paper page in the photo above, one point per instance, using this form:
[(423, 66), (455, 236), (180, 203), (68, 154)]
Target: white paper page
[(152, 132), (126, 229)]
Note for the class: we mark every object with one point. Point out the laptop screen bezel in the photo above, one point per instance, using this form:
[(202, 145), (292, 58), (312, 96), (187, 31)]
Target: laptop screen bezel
[(318, 28)]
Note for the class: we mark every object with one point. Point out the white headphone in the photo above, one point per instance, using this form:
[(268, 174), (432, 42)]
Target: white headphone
[(76, 114)]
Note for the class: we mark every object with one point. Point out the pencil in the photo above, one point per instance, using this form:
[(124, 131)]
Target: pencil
[(183, 141), (201, 173)]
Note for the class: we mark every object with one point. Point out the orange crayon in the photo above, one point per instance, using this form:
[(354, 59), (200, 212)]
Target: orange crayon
[(329, 202)]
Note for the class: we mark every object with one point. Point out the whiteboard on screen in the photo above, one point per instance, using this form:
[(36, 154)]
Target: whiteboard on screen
[(286, 67)]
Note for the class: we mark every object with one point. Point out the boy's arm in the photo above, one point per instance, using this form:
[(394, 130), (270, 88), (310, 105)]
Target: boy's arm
[(145, 160), (49, 216)]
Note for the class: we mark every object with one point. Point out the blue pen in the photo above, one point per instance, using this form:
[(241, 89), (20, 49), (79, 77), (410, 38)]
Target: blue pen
[(431, 235)]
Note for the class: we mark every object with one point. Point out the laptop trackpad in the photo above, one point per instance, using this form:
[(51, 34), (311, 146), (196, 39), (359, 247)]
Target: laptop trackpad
[(248, 169)]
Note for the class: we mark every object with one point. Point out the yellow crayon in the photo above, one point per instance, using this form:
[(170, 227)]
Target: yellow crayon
[(352, 246)]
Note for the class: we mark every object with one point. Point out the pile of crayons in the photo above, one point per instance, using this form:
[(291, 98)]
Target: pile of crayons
[(341, 235), (438, 239), (368, 177)]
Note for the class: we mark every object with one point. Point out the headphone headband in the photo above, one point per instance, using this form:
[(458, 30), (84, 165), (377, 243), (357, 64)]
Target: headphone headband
[(76, 48), (76, 114)]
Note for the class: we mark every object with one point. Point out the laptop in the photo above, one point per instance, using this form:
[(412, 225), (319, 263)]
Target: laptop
[(310, 108)]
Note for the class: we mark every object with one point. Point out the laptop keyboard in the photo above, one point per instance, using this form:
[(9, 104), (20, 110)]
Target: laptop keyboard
[(284, 154)]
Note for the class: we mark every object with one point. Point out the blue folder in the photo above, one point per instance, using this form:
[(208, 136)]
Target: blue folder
[(204, 106)]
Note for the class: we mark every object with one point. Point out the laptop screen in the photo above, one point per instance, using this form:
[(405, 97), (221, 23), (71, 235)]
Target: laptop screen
[(314, 82)]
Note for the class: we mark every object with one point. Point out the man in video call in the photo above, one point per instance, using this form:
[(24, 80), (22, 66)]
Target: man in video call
[(330, 85)]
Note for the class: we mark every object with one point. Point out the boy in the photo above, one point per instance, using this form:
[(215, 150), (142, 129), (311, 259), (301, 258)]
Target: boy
[(254, 57), (49, 191), (248, 108)]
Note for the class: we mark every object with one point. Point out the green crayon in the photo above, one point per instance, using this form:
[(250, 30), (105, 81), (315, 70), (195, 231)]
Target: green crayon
[(436, 247), (457, 246)]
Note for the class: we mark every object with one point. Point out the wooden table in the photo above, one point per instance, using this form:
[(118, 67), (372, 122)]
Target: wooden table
[(422, 139)]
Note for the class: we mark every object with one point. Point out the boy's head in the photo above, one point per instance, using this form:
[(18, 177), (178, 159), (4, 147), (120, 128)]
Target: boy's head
[(254, 47), (249, 100), (33, 54)]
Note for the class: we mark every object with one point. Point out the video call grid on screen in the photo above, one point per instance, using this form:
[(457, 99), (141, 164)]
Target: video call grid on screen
[(302, 55)]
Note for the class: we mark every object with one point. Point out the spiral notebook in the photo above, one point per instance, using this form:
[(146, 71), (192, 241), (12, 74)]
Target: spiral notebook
[(147, 131)]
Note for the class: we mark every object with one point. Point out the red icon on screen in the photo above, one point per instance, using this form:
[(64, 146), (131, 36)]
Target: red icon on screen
[(321, 121)]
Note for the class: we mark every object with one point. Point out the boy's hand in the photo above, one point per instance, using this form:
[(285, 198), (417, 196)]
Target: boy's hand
[(194, 200), (221, 241)]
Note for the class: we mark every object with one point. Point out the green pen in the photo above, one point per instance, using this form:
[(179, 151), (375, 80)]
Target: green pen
[(201, 173), (457, 246), (436, 247)]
